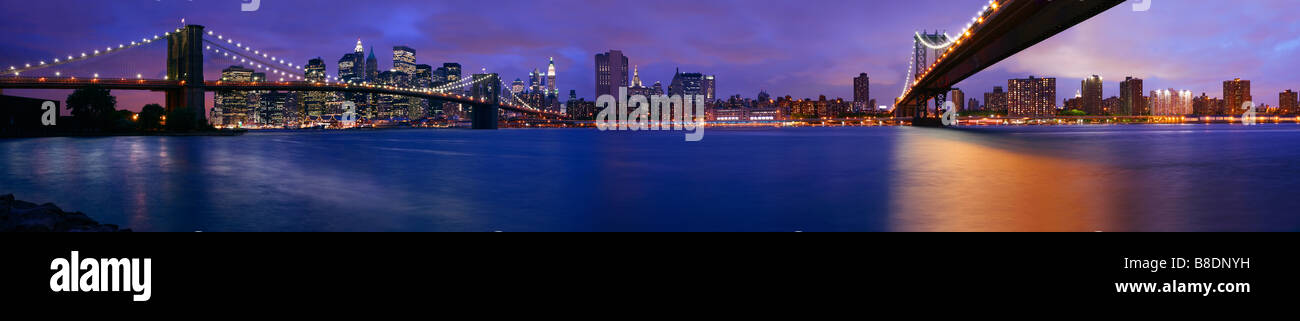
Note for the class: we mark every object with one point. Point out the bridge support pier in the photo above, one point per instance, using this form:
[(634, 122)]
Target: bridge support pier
[(485, 116)]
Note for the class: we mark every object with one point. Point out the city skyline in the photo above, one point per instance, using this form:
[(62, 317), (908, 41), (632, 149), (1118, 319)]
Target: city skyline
[(760, 55)]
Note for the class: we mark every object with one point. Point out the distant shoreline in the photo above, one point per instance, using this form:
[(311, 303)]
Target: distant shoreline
[(127, 134)]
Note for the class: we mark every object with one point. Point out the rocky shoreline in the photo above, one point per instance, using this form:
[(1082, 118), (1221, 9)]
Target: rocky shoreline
[(20, 216)]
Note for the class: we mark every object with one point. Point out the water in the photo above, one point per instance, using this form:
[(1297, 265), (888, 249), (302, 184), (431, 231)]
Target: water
[(1062, 178)]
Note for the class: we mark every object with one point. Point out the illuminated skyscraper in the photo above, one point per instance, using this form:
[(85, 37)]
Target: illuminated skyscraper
[(1091, 96), (639, 88), (611, 73), (996, 101), (517, 87), (1287, 103), (346, 68), (1171, 102), (1235, 95), (710, 88), (636, 77), (551, 88), (686, 84), (958, 98), (404, 59), (453, 71), (1031, 97), (234, 105), (535, 81), (1131, 100), (314, 101)]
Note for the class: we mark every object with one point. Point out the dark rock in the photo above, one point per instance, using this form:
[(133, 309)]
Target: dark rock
[(20, 216)]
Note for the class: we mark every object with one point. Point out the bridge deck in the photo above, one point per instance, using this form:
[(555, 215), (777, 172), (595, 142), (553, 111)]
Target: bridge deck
[(162, 85)]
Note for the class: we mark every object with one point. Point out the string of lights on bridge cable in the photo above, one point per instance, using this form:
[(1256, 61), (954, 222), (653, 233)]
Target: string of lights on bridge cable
[(85, 55), (947, 44), (260, 59)]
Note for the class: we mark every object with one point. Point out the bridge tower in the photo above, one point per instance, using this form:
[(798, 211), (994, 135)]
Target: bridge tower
[(921, 61), (488, 88), (185, 64)]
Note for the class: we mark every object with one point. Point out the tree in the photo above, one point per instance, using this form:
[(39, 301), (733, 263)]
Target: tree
[(1073, 112), (151, 117), (92, 107), (121, 121), (181, 120)]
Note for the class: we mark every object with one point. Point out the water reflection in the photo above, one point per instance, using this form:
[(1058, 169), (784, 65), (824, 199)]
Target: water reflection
[(1059, 178), (959, 181)]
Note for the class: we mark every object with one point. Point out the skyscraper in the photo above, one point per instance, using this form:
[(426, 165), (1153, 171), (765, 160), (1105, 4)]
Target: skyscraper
[(358, 63), (1287, 103), (1171, 102), (710, 88), (314, 101), (958, 98), (315, 70), (404, 59), (1092, 95), (453, 71), (1131, 100), (551, 88), (535, 81), (862, 89), (372, 66), (686, 84), (423, 78), (517, 87), (611, 72), (639, 88), (346, 68), (1031, 97), (234, 105), (1235, 95)]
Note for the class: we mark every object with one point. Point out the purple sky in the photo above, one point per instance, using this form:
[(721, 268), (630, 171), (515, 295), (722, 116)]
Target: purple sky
[(801, 48)]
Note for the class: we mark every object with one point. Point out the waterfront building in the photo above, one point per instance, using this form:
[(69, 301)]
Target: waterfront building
[(1287, 103), (1132, 101), (862, 89), (958, 98), (996, 101), (314, 101), (1236, 93), (1031, 97), (1091, 96), (232, 106), (1171, 102)]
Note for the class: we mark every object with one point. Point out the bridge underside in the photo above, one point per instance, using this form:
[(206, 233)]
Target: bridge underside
[(1017, 25)]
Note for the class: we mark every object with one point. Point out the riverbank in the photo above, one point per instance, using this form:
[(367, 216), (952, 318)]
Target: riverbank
[(20, 216)]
